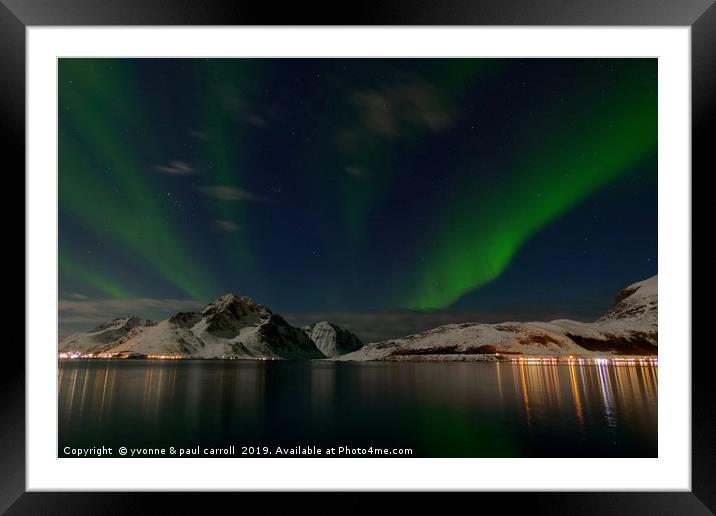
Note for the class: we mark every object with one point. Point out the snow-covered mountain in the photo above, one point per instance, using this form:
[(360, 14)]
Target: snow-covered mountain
[(628, 328), (237, 327), (232, 326), (331, 339), (105, 336)]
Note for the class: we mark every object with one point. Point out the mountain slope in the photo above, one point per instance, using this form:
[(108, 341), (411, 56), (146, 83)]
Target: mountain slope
[(232, 326), (629, 327), (105, 335), (237, 327)]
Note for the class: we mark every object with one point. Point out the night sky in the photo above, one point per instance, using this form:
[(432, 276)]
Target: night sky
[(492, 188)]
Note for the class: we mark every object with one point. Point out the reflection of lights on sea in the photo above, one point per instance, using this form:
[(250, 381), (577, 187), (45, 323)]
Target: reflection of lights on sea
[(72, 355), (575, 395), (571, 360), (590, 361), (559, 396), (605, 390), (545, 382)]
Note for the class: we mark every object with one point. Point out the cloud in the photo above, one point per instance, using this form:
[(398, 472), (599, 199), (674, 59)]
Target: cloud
[(388, 110), (226, 226), (236, 104), (176, 168), (356, 171), (378, 112), (199, 135), (255, 120), (228, 193), (81, 315)]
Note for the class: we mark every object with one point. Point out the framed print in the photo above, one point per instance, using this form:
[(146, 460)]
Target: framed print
[(407, 250)]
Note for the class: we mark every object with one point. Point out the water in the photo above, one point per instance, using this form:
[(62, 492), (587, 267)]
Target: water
[(506, 409)]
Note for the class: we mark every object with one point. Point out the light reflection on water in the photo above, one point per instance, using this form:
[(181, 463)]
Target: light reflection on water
[(439, 409)]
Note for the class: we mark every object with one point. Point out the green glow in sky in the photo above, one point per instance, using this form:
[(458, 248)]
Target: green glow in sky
[(481, 226), (112, 190)]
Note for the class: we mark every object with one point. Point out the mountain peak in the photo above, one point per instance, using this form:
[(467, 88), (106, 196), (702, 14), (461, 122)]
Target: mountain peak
[(228, 314), (236, 304), (231, 297)]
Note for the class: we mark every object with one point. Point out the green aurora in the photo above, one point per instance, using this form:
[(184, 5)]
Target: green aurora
[(475, 240)]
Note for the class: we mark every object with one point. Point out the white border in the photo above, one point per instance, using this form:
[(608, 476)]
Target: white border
[(671, 471)]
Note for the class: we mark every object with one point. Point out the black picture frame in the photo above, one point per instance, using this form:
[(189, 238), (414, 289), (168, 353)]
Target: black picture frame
[(17, 15)]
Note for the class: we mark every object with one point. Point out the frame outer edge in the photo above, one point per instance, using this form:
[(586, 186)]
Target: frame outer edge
[(703, 123), (12, 143), (385, 12), (12, 102)]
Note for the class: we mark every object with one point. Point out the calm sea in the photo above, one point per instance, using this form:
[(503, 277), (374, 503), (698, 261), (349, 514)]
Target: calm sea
[(459, 409)]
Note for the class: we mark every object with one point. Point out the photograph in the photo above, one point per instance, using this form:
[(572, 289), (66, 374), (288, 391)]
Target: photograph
[(428, 242), (357, 257)]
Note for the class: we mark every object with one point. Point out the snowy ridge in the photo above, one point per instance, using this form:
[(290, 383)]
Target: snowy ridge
[(105, 335), (237, 327), (636, 303), (231, 327), (628, 328)]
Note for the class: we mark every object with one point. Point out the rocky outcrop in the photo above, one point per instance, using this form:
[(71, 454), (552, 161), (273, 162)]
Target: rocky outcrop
[(185, 319), (331, 339), (285, 340), (226, 316)]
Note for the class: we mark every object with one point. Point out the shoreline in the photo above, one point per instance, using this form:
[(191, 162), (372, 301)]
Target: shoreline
[(529, 360)]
